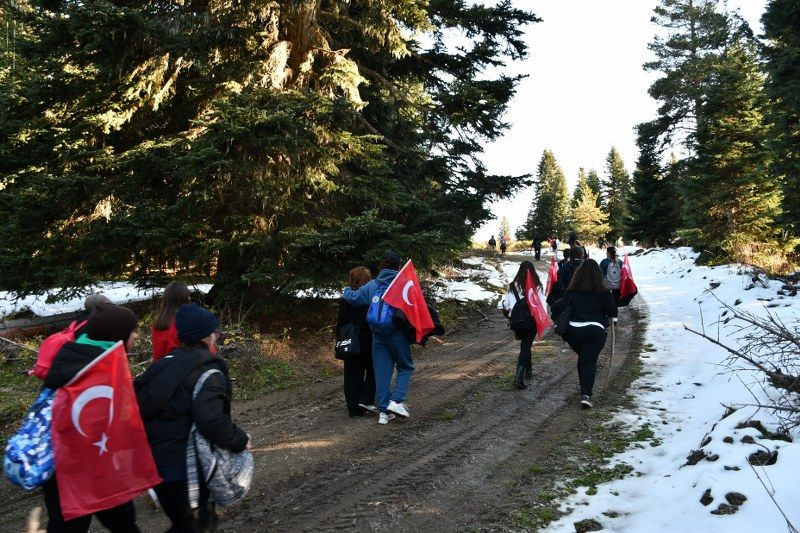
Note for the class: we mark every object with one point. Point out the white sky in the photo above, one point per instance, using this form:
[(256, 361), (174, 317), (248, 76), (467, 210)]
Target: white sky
[(585, 92)]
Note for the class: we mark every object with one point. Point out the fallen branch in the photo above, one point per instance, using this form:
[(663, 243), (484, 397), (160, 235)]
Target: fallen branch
[(19, 345)]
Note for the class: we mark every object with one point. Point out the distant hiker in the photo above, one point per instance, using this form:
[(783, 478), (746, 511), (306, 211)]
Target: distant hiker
[(492, 243), (620, 243), (537, 248), (354, 347), (572, 239), (503, 245), (390, 345), (584, 251), (107, 324), (515, 308), (165, 394), (554, 245), (586, 308), (611, 267), (52, 344), (164, 333), (601, 242)]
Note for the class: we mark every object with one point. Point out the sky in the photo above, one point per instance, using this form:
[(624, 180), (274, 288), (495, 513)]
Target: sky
[(585, 91)]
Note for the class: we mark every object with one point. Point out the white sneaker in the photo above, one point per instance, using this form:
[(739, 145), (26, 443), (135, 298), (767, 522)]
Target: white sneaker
[(384, 418), (371, 408), (398, 409)]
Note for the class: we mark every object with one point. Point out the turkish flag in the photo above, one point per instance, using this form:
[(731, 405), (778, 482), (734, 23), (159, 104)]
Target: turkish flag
[(626, 284), (405, 294), (536, 307), (552, 276), (102, 455)]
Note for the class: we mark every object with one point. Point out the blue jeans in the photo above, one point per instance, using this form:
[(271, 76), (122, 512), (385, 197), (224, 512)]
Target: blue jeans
[(389, 351)]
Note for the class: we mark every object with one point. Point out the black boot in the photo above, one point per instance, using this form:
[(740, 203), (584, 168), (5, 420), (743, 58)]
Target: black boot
[(519, 381)]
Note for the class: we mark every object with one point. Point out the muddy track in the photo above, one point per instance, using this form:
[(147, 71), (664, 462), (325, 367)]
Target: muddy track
[(457, 464)]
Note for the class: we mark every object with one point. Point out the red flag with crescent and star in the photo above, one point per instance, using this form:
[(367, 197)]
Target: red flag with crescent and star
[(405, 294), (101, 451), (536, 307), (552, 276)]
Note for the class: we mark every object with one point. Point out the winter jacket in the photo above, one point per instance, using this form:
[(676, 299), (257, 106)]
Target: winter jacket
[(164, 340), (363, 296), (164, 392), (349, 314), (587, 306), (70, 360)]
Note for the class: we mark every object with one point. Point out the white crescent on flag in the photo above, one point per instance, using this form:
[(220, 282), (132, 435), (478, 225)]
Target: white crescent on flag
[(92, 393), (408, 286), (530, 297)]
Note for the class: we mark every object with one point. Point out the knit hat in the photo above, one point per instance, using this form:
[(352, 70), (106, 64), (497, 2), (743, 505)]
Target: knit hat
[(194, 323), (109, 322), (392, 259)]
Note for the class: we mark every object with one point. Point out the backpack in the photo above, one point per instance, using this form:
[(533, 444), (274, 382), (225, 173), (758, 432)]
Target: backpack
[(380, 315), (29, 460), (521, 320), (50, 347), (227, 475), (347, 342), (613, 275)]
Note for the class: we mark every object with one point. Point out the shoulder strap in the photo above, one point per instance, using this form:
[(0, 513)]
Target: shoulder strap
[(514, 290), (200, 382)]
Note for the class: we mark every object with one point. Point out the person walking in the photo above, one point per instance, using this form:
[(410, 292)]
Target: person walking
[(359, 374), (611, 267), (537, 248), (503, 246), (164, 392), (517, 291), (572, 260), (590, 305), (572, 239), (492, 243), (390, 350), (106, 325), (164, 334)]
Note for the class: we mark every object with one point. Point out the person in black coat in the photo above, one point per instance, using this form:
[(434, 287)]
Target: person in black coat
[(590, 306), (164, 393), (359, 373), (537, 248), (105, 326)]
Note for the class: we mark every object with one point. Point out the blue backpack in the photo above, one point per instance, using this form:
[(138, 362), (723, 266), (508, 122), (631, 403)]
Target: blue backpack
[(380, 314), (29, 460)]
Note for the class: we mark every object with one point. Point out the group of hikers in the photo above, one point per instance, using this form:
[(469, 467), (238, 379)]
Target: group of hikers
[(492, 244)]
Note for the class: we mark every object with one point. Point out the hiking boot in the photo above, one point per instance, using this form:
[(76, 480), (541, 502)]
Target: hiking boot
[(384, 418), (398, 409), (371, 408), (586, 402), (519, 381)]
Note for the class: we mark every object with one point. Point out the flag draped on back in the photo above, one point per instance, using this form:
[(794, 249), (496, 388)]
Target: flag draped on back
[(626, 284), (405, 294), (536, 307), (102, 455), (552, 276)]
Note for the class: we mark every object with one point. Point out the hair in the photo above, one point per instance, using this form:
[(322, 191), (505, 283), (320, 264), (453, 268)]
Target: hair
[(175, 295), (93, 300), (588, 278), (522, 276), (613, 251), (566, 253), (576, 252), (359, 276)]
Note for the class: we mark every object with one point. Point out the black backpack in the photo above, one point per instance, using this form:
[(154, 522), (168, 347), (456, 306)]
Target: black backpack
[(521, 320)]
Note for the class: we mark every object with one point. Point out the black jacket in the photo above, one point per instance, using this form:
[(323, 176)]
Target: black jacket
[(164, 392), (70, 360), (350, 314), (587, 306)]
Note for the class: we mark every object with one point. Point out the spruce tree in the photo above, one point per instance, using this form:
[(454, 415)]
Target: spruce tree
[(549, 214), (588, 219), (653, 207), (577, 194), (616, 188), (505, 228), (782, 31), (593, 180)]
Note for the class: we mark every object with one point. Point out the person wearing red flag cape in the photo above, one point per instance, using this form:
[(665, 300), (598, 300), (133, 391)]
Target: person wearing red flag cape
[(391, 348), (102, 457)]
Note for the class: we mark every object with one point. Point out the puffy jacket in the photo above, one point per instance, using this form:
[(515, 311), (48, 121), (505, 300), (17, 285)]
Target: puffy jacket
[(164, 392), (587, 306)]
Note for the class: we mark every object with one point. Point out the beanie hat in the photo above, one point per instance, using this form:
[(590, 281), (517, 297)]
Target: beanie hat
[(392, 259), (93, 300), (109, 322), (194, 323)]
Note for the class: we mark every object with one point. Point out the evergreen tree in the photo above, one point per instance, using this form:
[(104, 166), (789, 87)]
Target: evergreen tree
[(247, 140), (549, 215), (782, 30), (593, 180), (577, 194), (588, 219), (615, 193), (505, 228), (653, 205), (730, 202)]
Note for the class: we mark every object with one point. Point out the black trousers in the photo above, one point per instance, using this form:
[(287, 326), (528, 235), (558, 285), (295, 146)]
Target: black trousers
[(173, 496), (537, 252), (588, 342), (359, 383), (525, 343), (119, 519)]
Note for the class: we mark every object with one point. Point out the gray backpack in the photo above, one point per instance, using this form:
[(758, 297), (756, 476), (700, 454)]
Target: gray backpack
[(227, 474), (613, 275)]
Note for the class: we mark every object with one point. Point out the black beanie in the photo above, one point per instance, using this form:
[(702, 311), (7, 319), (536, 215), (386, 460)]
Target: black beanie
[(109, 322), (194, 323)]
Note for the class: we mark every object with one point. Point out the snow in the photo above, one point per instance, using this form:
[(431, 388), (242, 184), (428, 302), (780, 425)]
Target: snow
[(686, 383), (117, 292)]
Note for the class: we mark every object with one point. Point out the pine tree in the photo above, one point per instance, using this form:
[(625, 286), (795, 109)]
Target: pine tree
[(505, 228), (577, 194), (616, 188), (782, 30), (730, 200), (593, 180), (549, 215), (654, 210), (247, 140), (588, 219)]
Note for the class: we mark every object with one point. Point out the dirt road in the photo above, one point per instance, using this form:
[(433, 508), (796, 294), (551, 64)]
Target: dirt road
[(455, 465)]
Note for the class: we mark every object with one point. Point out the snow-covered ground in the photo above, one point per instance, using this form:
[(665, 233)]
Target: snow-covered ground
[(685, 384)]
